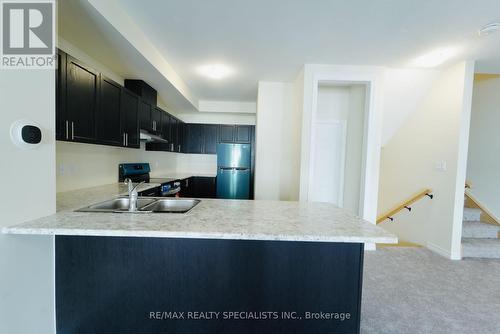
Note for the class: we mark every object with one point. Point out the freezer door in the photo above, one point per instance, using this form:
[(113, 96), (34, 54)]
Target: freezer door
[(234, 155), (233, 183)]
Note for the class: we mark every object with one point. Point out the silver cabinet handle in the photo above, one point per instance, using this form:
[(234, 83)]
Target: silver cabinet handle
[(179, 148), (172, 147), (72, 130), (123, 140), (67, 129), (126, 136)]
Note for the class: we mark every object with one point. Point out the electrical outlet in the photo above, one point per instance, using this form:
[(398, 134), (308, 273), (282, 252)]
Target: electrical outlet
[(61, 169), (440, 166)]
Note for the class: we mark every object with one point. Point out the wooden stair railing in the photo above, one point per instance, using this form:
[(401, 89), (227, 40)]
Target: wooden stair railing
[(404, 205), (486, 215)]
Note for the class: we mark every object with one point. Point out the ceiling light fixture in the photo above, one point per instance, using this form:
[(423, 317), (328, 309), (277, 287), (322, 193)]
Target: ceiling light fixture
[(435, 57), (489, 29), (215, 71)]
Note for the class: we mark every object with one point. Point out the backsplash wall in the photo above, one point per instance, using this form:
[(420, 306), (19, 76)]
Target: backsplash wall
[(84, 165)]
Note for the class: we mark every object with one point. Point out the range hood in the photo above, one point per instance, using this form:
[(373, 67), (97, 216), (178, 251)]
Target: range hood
[(148, 137)]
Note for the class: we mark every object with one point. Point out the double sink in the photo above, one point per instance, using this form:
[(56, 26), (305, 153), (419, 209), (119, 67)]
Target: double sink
[(144, 205)]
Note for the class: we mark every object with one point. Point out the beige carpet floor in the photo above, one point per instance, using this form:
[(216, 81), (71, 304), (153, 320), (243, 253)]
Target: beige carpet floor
[(412, 290)]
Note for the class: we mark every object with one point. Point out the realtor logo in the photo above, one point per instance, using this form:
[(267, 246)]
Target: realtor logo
[(28, 31)]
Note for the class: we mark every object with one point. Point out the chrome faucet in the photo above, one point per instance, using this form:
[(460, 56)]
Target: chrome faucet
[(132, 194)]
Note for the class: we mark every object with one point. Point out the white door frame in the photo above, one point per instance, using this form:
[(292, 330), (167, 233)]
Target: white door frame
[(372, 77)]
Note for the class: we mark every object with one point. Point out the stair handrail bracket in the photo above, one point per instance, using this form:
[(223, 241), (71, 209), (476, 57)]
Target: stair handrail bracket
[(389, 215)]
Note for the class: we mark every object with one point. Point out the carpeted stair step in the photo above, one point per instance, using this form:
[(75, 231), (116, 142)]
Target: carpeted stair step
[(472, 214), (485, 248), (476, 229)]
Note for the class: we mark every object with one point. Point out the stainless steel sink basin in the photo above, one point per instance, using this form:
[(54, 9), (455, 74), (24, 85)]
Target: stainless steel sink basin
[(171, 205), (144, 205), (117, 204)]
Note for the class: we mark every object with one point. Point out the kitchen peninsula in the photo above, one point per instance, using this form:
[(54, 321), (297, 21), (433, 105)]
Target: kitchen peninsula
[(264, 266)]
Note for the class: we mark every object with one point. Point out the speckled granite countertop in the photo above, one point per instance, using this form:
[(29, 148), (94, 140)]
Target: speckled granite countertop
[(212, 219)]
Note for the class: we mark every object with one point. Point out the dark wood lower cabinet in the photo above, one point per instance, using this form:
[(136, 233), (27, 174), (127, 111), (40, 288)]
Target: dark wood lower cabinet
[(184, 286), (199, 187)]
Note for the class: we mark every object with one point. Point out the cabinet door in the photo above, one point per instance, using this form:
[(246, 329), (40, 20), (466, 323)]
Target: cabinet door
[(226, 133), (180, 136), (203, 187), (156, 117), (210, 132), (107, 125), (243, 134), (194, 138), (130, 118), (62, 126), (174, 134), (145, 120), (82, 85), (165, 126)]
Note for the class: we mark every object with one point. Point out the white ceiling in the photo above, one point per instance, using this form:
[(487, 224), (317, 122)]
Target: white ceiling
[(272, 39)]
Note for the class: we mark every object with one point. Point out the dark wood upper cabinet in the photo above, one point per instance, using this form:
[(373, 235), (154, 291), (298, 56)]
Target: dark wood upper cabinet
[(181, 126), (165, 125), (130, 119), (176, 138), (210, 133), (82, 94), (226, 133), (62, 128), (145, 120), (243, 134), (107, 120), (194, 138), (156, 118)]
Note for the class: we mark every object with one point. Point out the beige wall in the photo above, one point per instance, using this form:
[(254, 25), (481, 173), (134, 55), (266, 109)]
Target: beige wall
[(483, 166), (430, 135), (278, 131), (28, 192)]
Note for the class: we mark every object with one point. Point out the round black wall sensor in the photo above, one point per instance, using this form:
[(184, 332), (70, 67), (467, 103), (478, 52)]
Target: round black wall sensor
[(31, 134), (26, 134)]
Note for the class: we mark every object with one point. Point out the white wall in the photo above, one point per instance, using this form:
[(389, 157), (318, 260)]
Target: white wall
[(83, 165), (403, 90), (28, 192), (345, 103), (278, 130), (483, 165), (433, 133)]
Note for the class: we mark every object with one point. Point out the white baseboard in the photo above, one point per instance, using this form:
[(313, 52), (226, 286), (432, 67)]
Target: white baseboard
[(441, 251), (370, 247)]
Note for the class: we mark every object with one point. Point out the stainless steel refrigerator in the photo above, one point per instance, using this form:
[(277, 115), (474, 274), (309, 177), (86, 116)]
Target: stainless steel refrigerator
[(233, 171)]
